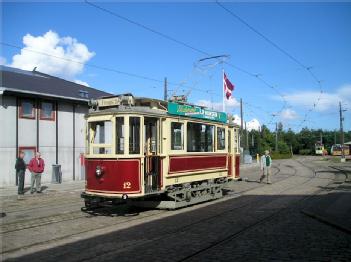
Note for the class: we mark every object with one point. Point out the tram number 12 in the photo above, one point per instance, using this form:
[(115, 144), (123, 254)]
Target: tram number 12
[(127, 185)]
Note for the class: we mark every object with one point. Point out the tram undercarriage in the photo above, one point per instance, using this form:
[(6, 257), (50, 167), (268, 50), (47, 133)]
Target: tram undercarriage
[(176, 196)]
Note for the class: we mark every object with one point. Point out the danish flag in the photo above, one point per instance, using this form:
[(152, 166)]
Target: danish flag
[(228, 86)]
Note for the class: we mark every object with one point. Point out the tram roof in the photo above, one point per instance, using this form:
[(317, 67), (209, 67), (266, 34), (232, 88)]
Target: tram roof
[(127, 103)]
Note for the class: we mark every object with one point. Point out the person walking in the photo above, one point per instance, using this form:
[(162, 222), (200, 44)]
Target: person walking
[(36, 167), (266, 163), (20, 167)]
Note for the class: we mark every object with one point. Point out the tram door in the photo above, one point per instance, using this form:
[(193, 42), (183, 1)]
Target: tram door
[(152, 162)]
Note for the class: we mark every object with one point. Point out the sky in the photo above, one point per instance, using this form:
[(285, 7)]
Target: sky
[(93, 47)]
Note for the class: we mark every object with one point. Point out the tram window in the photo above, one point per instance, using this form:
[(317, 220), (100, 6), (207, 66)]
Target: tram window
[(134, 135), (220, 138), (119, 135), (101, 132), (176, 136), (200, 137)]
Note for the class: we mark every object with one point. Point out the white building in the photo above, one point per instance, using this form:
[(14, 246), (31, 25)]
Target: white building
[(39, 112)]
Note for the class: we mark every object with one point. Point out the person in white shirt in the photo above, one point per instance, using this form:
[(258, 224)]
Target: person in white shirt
[(266, 163)]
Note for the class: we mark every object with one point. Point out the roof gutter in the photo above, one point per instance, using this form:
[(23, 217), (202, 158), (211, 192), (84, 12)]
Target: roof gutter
[(14, 90)]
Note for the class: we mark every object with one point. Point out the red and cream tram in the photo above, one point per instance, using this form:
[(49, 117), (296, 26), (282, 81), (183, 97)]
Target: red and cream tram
[(169, 154)]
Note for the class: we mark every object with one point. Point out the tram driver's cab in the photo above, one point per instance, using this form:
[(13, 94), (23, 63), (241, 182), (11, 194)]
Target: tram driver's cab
[(123, 155)]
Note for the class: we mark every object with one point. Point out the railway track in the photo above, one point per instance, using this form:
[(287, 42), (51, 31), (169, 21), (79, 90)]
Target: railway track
[(259, 222), (13, 227), (56, 218), (216, 217)]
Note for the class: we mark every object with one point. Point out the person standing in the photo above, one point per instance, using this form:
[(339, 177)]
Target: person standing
[(266, 163), (20, 171), (36, 167)]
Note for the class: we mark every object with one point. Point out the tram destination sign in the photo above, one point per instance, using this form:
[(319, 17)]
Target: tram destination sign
[(196, 112)]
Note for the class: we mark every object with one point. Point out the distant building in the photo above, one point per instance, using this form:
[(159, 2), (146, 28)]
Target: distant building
[(39, 112)]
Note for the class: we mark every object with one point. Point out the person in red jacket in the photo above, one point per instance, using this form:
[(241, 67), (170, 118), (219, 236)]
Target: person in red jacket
[(36, 167)]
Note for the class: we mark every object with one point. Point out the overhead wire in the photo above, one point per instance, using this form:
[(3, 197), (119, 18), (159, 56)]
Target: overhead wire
[(104, 68), (182, 43), (282, 50)]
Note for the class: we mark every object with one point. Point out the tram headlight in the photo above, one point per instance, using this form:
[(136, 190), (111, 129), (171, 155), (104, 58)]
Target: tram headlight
[(124, 196), (99, 171)]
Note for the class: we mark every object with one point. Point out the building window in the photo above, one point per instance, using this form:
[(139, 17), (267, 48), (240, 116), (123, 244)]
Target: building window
[(220, 138), (29, 152), (177, 136), (27, 109), (134, 135), (119, 135), (200, 137), (47, 111), (101, 137)]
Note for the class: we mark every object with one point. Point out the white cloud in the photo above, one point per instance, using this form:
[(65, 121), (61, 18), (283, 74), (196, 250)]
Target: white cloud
[(237, 120), (67, 48), (327, 100), (2, 60), (81, 82), (218, 106), (288, 114), (253, 124)]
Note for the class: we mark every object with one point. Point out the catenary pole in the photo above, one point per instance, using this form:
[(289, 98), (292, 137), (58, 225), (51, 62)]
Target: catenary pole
[(276, 137), (165, 91), (341, 132), (241, 119)]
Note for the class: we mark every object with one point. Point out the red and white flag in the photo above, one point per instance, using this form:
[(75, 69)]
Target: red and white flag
[(228, 86)]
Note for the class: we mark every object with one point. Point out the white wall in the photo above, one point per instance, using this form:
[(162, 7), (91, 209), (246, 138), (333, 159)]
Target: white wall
[(47, 147), (7, 140), (65, 140), (81, 110), (27, 136)]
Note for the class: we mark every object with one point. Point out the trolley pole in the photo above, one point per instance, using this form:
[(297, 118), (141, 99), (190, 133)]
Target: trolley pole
[(165, 91)]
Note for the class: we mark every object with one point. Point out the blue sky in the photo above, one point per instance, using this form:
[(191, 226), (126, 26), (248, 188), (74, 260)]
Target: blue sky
[(317, 34)]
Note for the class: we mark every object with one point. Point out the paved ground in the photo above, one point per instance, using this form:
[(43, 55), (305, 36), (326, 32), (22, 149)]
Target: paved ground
[(304, 215)]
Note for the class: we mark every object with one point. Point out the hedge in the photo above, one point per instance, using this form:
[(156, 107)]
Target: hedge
[(280, 156)]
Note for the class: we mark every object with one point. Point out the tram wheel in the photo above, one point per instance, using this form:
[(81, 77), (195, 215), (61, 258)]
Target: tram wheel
[(188, 196)]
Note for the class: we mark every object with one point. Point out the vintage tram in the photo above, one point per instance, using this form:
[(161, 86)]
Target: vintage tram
[(164, 154)]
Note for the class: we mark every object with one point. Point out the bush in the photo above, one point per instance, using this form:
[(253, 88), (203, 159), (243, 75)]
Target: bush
[(283, 148), (276, 155), (304, 151)]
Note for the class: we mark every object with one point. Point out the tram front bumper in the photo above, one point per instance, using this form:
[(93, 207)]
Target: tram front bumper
[(95, 195)]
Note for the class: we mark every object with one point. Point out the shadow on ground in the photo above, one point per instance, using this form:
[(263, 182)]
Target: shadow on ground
[(251, 227)]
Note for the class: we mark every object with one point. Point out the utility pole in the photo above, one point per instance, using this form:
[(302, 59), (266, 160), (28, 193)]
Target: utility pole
[(165, 91), (321, 137), (241, 119), (247, 138), (341, 133), (276, 137)]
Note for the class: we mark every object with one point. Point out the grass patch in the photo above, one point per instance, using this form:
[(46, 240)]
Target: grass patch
[(280, 156)]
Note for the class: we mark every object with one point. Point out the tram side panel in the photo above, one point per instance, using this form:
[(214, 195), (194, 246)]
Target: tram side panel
[(113, 176)]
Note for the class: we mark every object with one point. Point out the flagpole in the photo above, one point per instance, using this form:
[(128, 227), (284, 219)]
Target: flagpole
[(223, 101)]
